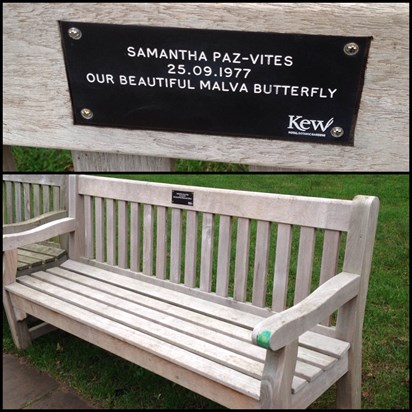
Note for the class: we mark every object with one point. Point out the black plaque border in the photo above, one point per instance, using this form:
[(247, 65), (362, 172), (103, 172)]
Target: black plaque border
[(348, 140)]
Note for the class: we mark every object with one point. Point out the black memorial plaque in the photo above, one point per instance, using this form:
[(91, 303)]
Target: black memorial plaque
[(266, 85), (180, 197)]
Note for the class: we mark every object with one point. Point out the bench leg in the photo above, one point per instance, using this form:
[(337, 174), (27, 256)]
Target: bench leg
[(16, 318), (276, 387), (349, 386)]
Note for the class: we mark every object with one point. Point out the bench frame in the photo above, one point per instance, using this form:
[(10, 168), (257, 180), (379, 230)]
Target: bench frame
[(277, 332)]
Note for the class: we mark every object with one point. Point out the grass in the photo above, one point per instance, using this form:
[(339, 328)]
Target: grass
[(31, 159), (113, 383)]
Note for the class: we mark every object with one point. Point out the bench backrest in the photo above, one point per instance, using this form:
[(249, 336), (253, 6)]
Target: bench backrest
[(27, 196), (267, 249)]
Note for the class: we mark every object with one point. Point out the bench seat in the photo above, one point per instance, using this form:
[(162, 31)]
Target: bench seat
[(45, 254), (207, 338)]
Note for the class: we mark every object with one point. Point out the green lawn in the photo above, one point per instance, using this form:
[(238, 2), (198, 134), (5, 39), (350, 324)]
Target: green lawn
[(114, 383)]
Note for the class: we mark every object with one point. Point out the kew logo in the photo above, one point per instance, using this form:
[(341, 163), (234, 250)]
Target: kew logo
[(299, 123)]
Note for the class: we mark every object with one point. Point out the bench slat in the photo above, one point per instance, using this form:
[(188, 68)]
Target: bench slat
[(261, 263), (191, 248), (223, 257), (242, 259), (161, 242), (18, 203), (99, 229), (148, 226), (176, 246), (54, 251), (110, 232), (36, 256), (88, 228), (305, 263), (206, 256), (282, 264), (122, 232), (46, 198), (135, 237)]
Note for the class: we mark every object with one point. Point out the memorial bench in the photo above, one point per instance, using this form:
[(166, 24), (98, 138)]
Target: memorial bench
[(159, 275), (30, 201)]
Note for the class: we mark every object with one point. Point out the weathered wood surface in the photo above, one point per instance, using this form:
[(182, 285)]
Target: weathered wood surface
[(189, 323), (203, 338), (37, 107)]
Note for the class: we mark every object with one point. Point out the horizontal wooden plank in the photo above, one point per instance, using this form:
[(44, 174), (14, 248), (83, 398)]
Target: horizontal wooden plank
[(53, 251), (41, 179), (299, 210), (36, 256), (35, 89)]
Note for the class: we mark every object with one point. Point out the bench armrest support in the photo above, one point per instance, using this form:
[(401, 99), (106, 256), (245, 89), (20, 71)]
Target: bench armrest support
[(282, 328), (38, 234), (34, 222)]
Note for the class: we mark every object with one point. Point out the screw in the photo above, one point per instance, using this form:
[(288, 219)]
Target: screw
[(86, 113), (351, 49), (74, 33), (336, 132)]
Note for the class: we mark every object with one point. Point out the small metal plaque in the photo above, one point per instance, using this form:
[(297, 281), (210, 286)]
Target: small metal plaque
[(265, 85), (180, 197)]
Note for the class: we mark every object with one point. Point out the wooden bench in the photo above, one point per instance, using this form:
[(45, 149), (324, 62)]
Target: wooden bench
[(187, 290), (30, 201)]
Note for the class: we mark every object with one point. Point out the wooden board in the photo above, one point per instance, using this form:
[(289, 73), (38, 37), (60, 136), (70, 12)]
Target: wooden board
[(37, 107)]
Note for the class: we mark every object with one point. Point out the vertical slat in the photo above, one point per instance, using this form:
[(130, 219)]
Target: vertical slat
[(26, 201), (56, 198), (282, 264), (88, 227), (161, 242), (305, 263), (122, 231), (134, 237), (330, 256), (46, 198), (110, 232), (223, 256), (242, 259), (261, 263), (206, 256), (191, 248), (176, 246), (36, 200), (99, 224), (148, 224), (9, 203), (17, 201), (76, 210)]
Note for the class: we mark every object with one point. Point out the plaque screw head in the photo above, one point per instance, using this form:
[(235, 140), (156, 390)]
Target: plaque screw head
[(74, 33), (351, 49), (86, 113), (336, 132)]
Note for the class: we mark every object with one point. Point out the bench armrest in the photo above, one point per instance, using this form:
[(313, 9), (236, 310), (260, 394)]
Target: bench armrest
[(282, 328), (34, 222), (40, 233)]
